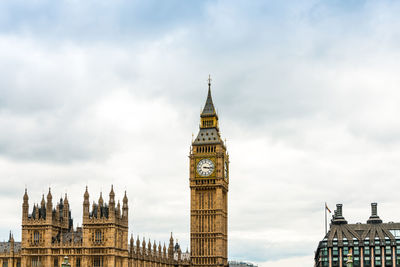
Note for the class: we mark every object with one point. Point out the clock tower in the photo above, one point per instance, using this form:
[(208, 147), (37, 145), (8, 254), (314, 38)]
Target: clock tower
[(209, 181)]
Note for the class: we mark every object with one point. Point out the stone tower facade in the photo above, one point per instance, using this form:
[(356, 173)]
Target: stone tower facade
[(48, 236), (209, 183), (105, 229)]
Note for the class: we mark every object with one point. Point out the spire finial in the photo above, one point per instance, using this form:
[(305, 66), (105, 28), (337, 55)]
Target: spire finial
[(209, 81)]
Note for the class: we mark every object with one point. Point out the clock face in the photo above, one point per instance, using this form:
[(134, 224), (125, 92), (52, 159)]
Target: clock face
[(205, 167)]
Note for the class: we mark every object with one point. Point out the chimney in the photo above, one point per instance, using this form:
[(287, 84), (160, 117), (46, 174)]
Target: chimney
[(338, 218), (374, 209), (374, 218), (339, 210)]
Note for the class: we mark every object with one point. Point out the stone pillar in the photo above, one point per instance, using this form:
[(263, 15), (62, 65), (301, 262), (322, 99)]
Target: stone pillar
[(372, 256), (393, 257), (24, 261), (340, 256), (383, 256), (46, 261), (330, 256), (85, 261), (362, 256)]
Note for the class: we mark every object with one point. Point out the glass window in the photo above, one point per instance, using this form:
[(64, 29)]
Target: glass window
[(35, 262), (378, 261), (98, 262), (356, 261), (335, 251), (335, 261), (388, 250), (366, 251), (356, 251), (345, 251), (36, 237), (367, 261), (377, 250), (388, 261), (97, 237)]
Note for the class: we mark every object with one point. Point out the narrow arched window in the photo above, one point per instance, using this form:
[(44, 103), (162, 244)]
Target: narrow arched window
[(36, 237), (97, 237)]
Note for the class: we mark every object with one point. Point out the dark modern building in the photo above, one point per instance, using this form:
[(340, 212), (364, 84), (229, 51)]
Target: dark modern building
[(373, 243)]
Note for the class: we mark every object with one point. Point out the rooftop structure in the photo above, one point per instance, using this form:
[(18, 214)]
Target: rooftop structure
[(373, 243)]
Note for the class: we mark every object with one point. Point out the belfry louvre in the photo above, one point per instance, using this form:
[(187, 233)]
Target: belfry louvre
[(371, 244)]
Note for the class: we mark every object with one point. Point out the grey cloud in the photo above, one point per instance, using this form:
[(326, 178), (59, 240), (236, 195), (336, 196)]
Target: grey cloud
[(310, 101)]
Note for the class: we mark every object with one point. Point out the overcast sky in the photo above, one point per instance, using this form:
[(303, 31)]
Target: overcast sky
[(109, 92)]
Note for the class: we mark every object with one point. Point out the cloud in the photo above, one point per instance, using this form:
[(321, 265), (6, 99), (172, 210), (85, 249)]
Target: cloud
[(98, 94)]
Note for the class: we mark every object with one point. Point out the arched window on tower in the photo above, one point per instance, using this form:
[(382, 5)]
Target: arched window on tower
[(97, 236), (36, 237)]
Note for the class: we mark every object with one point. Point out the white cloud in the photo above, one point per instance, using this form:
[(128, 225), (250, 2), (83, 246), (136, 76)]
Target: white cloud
[(308, 105)]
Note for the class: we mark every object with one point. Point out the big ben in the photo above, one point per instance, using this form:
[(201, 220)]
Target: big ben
[(209, 182)]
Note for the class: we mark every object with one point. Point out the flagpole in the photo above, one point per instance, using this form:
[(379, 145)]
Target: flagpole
[(326, 227)]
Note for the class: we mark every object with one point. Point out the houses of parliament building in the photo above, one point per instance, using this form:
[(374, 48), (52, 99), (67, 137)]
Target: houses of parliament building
[(48, 233)]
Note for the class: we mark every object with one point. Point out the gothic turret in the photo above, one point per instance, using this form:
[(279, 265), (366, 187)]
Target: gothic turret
[(42, 211), (125, 208), (171, 247), (164, 251), (86, 204), (49, 207), (118, 210), (43, 202), (149, 248), (25, 206), (101, 201), (12, 243), (131, 243), (137, 245), (144, 246), (112, 203), (66, 207), (100, 206)]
